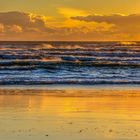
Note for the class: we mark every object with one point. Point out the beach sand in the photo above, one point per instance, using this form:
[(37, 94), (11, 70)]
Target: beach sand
[(72, 113)]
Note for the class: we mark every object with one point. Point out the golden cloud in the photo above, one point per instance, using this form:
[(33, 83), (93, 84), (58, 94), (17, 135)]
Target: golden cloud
[(15, 29)]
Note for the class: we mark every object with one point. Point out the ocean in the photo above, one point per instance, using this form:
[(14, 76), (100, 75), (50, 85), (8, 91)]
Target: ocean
[(81, 63)]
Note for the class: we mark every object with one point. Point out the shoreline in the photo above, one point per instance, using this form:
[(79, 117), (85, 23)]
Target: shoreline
[(72, 91), (72, 86)]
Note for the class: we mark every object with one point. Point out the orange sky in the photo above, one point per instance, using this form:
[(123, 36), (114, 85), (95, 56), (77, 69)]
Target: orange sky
[(91, 20)]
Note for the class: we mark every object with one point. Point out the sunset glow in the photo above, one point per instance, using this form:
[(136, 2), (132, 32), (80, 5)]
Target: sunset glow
[(77, 20), (70, 70)]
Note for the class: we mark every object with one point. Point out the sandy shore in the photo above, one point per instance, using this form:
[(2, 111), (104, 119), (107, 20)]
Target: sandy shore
[(69, 112)]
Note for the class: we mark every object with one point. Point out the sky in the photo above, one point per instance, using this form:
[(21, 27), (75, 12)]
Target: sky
[(65, 20)]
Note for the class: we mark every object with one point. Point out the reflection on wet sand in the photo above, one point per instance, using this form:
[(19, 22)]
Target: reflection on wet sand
[(84, 114)]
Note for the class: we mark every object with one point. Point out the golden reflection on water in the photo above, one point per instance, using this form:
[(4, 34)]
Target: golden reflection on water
[(102, 114)]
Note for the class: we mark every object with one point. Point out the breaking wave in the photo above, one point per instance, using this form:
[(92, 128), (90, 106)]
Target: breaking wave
[(69, 63)]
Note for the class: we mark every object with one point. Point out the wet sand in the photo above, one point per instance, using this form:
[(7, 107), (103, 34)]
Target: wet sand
[(72, 113)]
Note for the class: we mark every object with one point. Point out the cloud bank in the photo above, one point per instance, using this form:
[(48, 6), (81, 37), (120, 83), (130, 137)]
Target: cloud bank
[(126, 26), (17, 25)]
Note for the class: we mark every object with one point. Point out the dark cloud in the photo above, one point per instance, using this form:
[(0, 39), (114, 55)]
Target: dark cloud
[(26, 22), (114, 19)]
